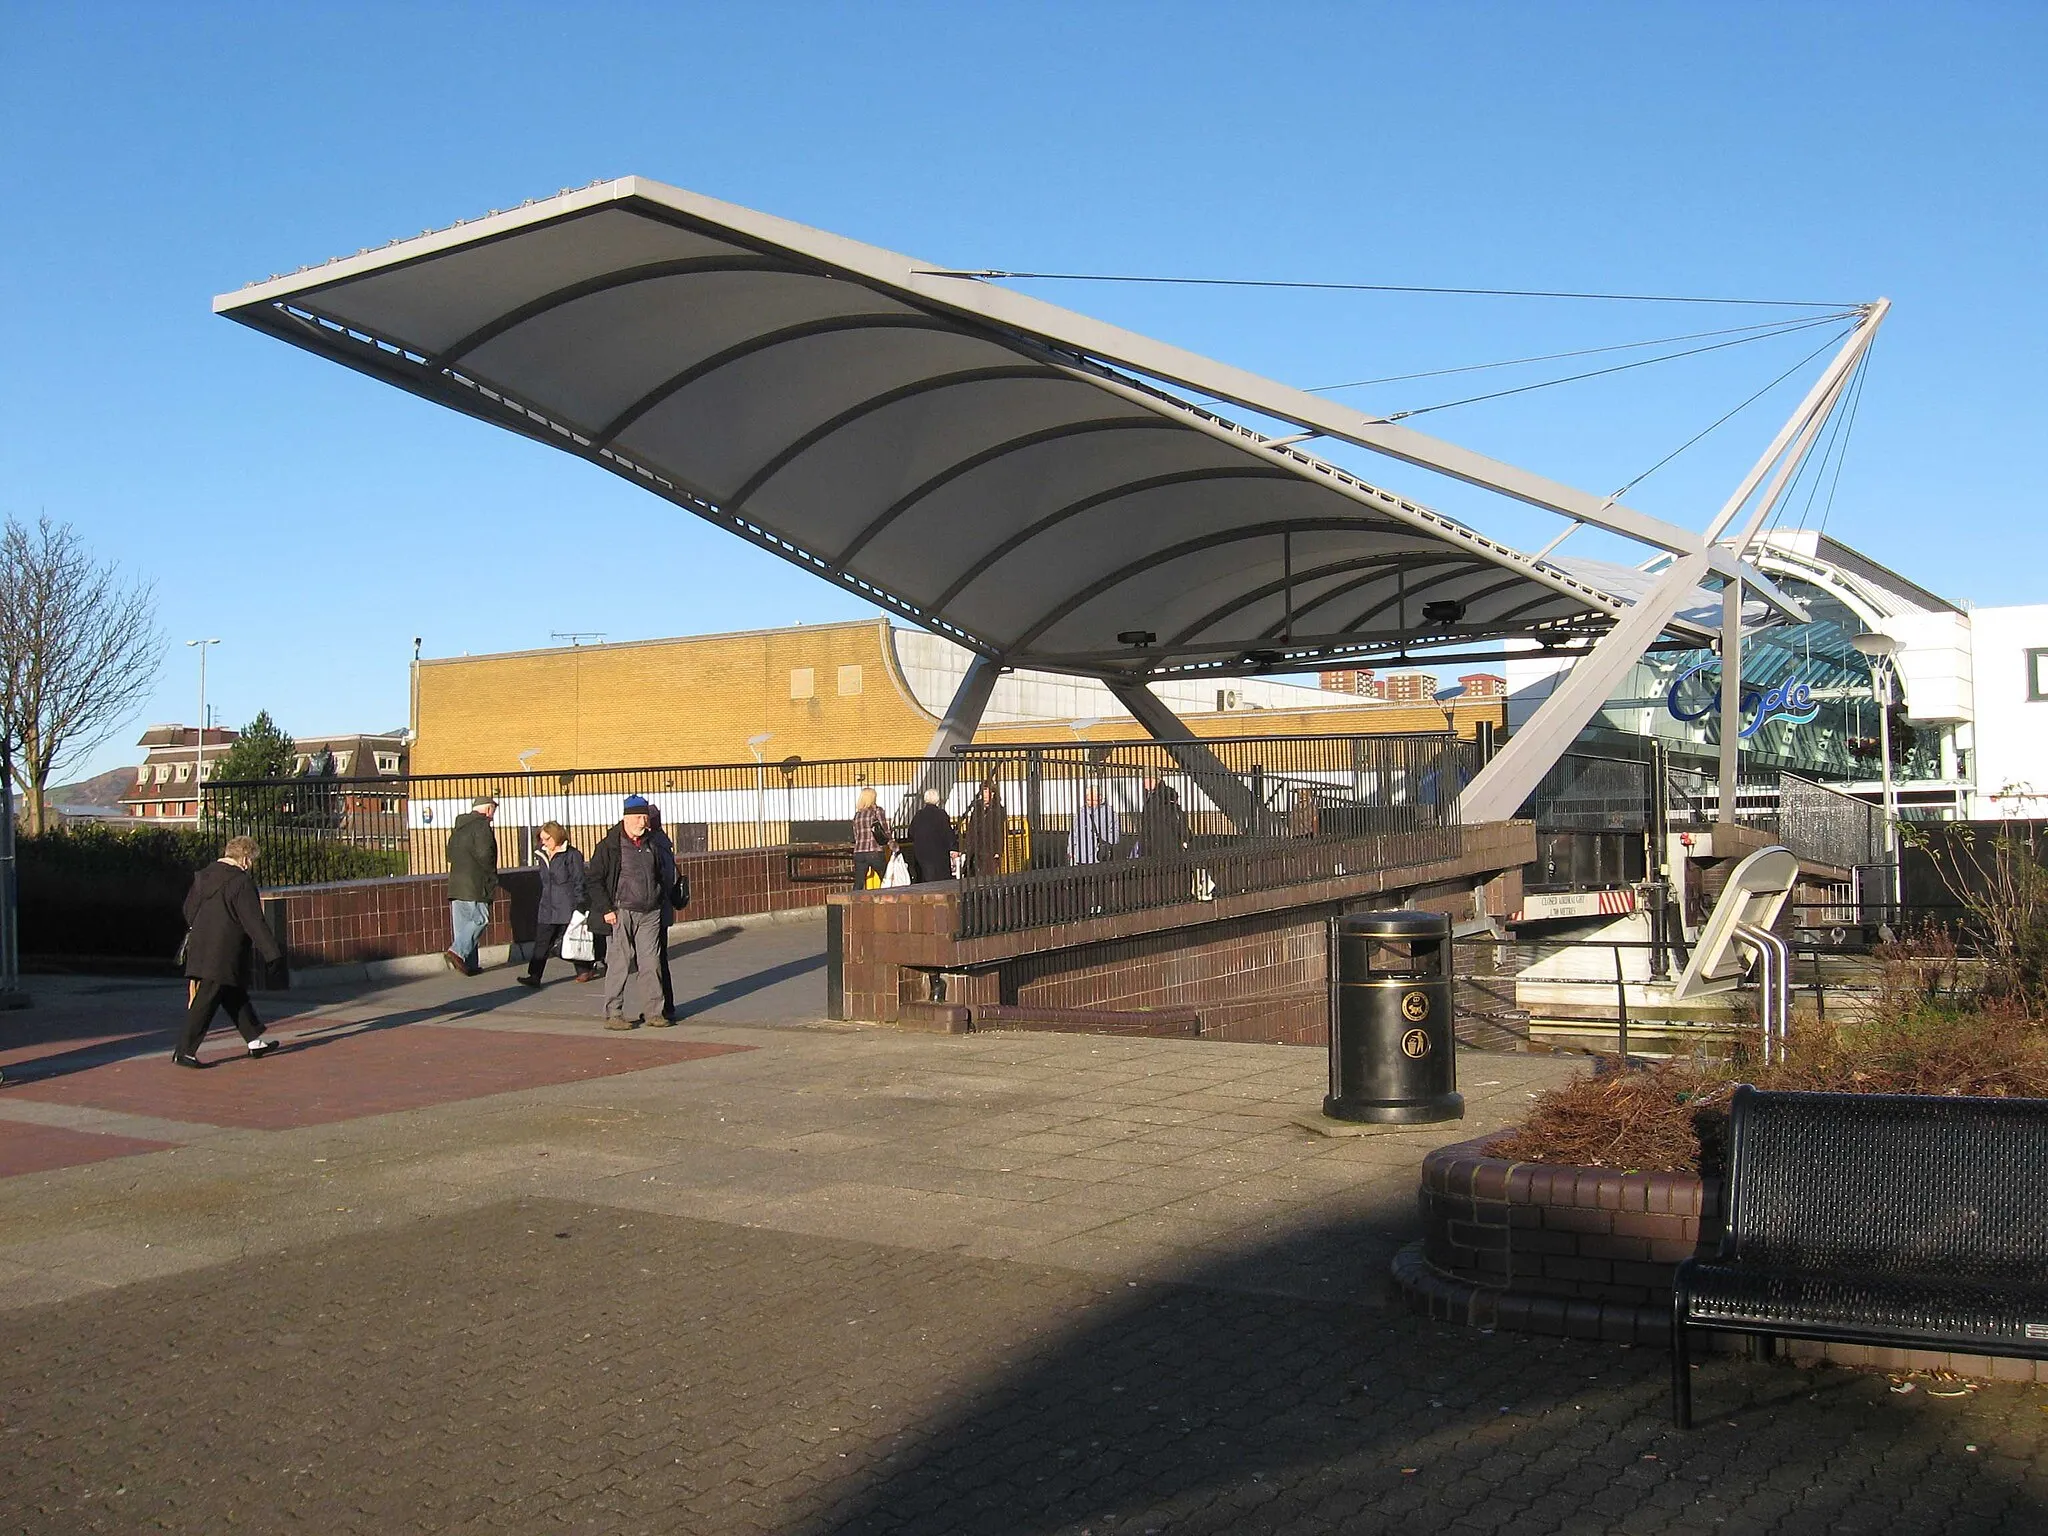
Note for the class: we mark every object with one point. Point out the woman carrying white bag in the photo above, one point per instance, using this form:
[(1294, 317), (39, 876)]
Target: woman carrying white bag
[(561, 918)]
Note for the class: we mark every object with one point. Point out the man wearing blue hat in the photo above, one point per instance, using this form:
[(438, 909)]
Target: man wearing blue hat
[(627, 882)]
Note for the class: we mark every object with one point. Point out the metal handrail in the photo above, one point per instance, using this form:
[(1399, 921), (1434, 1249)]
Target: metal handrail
[(1774, 959)]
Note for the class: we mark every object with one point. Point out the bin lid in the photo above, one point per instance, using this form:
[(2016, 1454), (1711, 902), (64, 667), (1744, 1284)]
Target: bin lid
[(1395, 925)]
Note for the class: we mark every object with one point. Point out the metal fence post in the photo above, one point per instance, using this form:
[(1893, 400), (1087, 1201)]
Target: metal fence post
[(11, 995)]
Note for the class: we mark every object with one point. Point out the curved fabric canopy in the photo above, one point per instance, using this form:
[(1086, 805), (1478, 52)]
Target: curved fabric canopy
[(900, 432)]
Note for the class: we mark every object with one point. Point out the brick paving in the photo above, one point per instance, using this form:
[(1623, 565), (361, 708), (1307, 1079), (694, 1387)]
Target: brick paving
[(542, 1365), (39, 1148), (833, 1280), (345, 1072)]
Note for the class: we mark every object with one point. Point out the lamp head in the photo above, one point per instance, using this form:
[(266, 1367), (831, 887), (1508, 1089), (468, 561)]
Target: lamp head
[(1876, 646)]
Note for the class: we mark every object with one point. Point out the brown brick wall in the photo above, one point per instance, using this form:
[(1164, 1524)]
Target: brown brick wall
[(1589, 1253), (1254, 978), (1253, 966)]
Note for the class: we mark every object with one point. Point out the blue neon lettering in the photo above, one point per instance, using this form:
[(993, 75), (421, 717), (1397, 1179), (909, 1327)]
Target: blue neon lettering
[(1791, 702)]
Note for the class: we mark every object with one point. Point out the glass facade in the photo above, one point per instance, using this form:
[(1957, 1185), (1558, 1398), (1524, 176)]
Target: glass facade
[(1807, 683)]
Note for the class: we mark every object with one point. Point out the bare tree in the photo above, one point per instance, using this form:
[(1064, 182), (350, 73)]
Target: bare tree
[(79, 652)]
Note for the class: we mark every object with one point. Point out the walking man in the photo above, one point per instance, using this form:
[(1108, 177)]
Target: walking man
[(472, 881), (1162, 824), (1093, 837), (627, 882), (225, 915)]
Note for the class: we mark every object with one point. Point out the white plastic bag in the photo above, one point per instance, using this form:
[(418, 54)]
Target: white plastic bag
[(577, 942), (898, 872)]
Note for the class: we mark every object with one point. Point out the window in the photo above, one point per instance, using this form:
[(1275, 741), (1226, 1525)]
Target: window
[(849, 682), (387, 762), (205, 772), (342, 762), (163, 773), (184, 772), (803, 683), (142, 775), (2037, 675)]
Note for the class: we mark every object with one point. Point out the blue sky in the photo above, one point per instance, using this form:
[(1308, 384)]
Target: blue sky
[(153, 156)]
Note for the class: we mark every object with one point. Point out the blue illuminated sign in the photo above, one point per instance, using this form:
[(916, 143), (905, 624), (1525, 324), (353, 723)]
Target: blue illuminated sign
[(1791, 701)]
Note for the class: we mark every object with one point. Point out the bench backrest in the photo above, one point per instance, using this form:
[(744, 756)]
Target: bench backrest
[(1889, 1184)]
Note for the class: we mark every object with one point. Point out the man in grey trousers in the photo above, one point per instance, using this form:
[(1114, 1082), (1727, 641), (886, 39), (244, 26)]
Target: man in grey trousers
[(628, 882)]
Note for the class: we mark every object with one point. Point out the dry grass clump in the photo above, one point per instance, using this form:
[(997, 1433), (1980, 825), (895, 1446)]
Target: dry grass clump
[(1652, 1120), (1611, 1118)]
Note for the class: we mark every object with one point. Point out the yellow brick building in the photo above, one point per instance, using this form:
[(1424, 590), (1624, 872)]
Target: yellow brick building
[(816, 691)]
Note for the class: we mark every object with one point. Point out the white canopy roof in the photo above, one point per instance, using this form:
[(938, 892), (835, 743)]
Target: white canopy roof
[(991, 467)]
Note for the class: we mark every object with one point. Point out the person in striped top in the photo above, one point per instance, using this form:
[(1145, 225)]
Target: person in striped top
[(871, 839)]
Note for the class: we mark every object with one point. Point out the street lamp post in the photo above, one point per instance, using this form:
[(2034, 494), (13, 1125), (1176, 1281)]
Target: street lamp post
[(1882, 652), (11, 995), (199, 744)]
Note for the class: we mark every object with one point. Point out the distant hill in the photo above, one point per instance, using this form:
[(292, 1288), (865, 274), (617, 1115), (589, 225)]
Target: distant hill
[(102, 789)]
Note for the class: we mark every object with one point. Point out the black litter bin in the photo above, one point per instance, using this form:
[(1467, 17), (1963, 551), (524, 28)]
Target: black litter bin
[(1393, 1058)]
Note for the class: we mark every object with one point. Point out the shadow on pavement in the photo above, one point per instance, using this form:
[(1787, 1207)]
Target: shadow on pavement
[(742, 986), (1201, 1407)]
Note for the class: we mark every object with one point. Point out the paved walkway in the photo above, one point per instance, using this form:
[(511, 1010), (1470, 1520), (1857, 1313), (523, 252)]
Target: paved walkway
[(458, 1259)]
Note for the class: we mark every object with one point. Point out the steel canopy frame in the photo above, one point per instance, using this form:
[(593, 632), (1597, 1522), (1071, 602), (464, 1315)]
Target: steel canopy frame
[(390, 312), (1052, 339)]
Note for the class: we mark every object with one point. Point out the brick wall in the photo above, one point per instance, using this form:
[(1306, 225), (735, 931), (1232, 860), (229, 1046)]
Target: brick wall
[(1254, 967), (1588, 1253), (1535, 1248), (354, 921), (697, 699), (692, 700), (1253, 978)]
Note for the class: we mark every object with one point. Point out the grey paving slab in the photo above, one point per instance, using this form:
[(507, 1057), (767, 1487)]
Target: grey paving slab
[(854, 1280)]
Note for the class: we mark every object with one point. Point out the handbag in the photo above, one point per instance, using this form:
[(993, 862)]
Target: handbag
[(577, 940)]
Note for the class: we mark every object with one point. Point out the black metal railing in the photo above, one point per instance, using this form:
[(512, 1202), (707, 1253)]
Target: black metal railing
[(1587, 792), (1091, 829), (1041, 898), (1693, 799), (334, 828), (1825, 826)]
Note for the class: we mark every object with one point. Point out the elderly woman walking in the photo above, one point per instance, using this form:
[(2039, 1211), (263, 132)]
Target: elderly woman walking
[(225, 918), (871, 839), (932, 843), (561, 898)]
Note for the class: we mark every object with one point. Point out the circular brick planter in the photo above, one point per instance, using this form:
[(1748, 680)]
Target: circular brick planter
[(1588, 1253), (1542, 1248)]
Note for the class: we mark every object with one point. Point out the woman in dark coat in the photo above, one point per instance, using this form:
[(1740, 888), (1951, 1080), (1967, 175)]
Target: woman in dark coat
[(225, 918), (981, 839), (561, 898), (931, 841)]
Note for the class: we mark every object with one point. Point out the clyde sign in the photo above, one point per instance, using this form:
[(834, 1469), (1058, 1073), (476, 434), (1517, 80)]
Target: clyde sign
[(1790, 701)]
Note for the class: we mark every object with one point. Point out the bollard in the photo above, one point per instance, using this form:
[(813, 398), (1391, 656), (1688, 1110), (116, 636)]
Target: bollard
[(1393, 1055)]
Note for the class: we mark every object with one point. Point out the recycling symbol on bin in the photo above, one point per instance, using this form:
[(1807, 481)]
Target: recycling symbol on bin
[(1414, 1008)]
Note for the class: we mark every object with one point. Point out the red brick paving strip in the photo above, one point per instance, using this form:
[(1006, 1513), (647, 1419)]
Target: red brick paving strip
[(39, 1148), (321, 1080)]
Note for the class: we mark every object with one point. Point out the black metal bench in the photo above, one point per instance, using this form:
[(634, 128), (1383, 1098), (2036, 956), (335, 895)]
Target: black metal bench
[(1889, 1219)]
